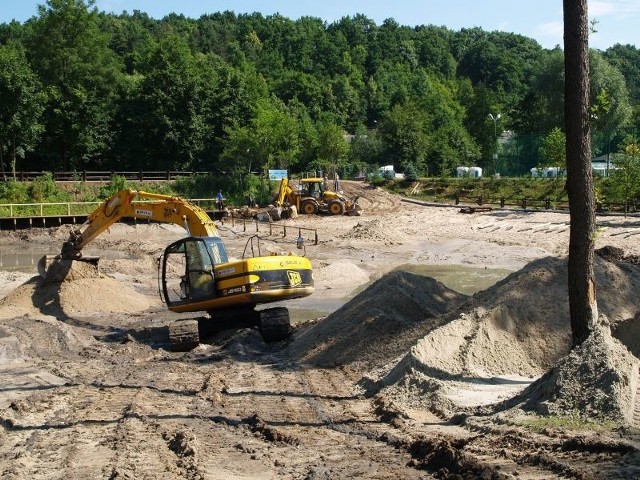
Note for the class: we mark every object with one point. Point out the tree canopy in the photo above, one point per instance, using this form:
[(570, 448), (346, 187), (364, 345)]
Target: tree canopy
[(239, 93)]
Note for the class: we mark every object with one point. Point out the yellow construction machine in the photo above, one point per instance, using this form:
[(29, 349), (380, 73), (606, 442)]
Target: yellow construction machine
[(195, 273), (311, 196)]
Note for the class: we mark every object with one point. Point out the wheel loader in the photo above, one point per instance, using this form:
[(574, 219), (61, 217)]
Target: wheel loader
[(195, 273), (311, 196)]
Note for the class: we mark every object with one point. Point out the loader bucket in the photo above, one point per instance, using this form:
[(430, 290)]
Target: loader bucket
[(354, 209), (54, 268)]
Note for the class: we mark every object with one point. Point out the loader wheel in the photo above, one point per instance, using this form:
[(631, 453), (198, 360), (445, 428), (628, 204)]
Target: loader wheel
[(336, 208), (275, 324), (309, 207)]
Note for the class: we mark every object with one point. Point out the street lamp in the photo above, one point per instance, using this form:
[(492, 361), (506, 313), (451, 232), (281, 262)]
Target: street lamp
[(495, 119)]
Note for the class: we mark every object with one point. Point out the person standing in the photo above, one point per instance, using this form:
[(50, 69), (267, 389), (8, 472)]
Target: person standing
[(220, 200)]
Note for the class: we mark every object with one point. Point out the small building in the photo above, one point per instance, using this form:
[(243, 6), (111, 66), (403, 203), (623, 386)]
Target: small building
[(462, 172), (475, 172), (548, 172)]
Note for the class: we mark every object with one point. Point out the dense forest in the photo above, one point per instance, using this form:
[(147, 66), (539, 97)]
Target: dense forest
[(81, 89)]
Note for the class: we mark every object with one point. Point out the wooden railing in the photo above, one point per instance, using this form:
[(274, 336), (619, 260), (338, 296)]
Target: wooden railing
[(69, 209), (105, 176)]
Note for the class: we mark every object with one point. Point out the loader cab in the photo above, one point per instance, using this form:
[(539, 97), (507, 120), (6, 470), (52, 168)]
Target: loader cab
[(186, 269), (312, 187)]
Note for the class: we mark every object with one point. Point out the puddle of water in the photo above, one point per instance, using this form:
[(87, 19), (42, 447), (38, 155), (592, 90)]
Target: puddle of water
[(20, 262), (28, 261), (462, 279)]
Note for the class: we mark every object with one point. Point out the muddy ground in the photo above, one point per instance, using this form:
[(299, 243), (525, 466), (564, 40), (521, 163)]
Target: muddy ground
[(434, 345)]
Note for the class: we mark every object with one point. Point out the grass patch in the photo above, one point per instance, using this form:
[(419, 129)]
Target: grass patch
[(569, 422)]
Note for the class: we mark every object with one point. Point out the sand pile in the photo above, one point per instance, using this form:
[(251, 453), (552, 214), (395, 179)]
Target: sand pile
[(519, 329), (598, 379), (379, 324), (373, 231), (520, 326), (340, 272), (81, 296), (506, 335), (39, 336)]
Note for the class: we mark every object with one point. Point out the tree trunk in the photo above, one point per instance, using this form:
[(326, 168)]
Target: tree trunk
[(582, 289), (2, 170), (13, 156)]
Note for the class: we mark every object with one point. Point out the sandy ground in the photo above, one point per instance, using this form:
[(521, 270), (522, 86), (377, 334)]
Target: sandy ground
[(432, 344)]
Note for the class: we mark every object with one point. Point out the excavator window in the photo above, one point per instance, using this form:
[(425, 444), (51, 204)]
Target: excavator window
[(199, 269), (188, 268)]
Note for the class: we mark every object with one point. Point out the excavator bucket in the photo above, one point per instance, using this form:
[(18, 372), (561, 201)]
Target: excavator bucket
[(54, 268)]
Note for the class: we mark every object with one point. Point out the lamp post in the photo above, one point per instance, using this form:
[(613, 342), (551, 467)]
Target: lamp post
[(495, 119)]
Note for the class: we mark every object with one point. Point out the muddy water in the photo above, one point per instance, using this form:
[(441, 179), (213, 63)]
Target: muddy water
[(463, 279), (467, 280), (20, 262), (27, 261)]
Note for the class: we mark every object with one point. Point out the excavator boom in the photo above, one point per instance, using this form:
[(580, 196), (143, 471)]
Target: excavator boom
[(161, 208)]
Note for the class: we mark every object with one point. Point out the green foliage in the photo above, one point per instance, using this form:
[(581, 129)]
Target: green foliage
[(410, 173), (44, 189), (553, 150), (14, 192), (21, 105), (80, 74), (235, 94), (116, 183), (202, 186), (625, 177)]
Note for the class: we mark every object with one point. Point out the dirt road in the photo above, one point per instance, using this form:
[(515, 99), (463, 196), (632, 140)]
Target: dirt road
[(364, 389)]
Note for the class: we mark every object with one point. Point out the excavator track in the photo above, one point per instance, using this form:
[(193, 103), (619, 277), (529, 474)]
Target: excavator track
[(275, 324)]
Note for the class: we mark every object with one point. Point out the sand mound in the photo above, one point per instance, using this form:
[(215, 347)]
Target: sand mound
[(628, 332), (521, 324), (39, 337), (82, 296), (517, 328), (598, 379), (341, 269), (374, 231), (379, 324), (61, 270)]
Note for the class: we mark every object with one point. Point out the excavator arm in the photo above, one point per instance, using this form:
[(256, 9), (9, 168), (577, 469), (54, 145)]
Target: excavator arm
[(127, 204)]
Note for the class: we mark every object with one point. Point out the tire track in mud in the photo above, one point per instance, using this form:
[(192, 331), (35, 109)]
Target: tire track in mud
[(310, 422), (251, 411), (477, 448)]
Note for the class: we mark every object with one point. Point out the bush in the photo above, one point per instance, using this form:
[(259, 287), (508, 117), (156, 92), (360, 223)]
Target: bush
[(116, 183), (44, 189), (14, 192)]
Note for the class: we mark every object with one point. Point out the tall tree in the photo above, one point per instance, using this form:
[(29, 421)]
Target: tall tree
[(81, 75), (21, 106), (583, 307)]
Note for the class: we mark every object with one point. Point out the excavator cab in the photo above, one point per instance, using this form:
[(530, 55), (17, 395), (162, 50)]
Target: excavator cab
[(188, 269)]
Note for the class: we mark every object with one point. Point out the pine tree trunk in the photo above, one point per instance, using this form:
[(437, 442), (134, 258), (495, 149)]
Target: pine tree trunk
[(582, 288)]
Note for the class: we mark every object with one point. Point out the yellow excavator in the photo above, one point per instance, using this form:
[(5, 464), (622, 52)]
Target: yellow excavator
[(195, 273), (311, 196)]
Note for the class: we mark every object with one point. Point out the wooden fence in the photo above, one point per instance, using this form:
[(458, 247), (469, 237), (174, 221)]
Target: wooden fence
[(105, 176)]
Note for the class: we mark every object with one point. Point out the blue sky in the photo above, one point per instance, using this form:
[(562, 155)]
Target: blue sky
[(618, 20)]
